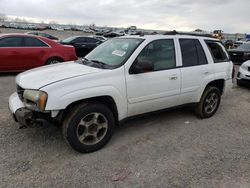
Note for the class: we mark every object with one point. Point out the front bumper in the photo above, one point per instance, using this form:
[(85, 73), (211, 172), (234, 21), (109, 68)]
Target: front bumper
[(19, 113), (24, 116)]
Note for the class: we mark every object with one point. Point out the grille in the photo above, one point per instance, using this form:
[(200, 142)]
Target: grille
[(20, 91)]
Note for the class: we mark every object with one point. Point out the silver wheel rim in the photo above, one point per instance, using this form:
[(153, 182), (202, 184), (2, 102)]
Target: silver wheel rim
[(92, 128), (211, 103)]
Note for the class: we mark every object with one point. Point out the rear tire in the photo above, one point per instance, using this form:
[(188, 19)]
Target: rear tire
[(88, 126), (53, 61), (209, 102)]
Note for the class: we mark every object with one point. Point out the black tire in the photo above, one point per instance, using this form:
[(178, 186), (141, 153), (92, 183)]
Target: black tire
[(239, 83), (202, 107), (54, 60), (71, 126)]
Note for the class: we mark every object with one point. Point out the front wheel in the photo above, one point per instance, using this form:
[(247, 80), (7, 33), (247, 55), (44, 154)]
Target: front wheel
[(209, 102), (88, 127)]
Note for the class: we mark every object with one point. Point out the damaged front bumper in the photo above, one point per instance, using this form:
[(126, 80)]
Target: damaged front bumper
[(24, 116)]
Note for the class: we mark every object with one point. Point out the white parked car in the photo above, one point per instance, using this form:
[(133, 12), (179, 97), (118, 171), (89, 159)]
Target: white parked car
[(243, 76), (121, 78)]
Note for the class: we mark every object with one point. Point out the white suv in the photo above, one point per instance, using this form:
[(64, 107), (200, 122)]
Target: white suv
[(121, 78)]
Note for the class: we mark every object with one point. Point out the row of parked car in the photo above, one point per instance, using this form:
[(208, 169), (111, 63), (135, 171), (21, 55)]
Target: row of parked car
[(19, 52)]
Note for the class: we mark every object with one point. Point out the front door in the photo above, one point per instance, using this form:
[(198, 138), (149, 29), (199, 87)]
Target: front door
[(156, 88)]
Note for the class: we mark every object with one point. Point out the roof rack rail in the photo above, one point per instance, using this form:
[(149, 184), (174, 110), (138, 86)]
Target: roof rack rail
[(174, 32)]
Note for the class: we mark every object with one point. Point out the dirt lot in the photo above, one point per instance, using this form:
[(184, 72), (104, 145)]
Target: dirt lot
[(168, 149)]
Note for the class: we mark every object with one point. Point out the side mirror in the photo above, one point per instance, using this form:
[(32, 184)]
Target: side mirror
[(141, 67), (98, 42)]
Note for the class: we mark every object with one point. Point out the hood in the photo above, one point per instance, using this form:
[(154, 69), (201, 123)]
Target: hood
[(39, 77)]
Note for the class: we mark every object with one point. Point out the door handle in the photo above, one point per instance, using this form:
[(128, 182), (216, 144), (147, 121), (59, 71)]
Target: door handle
[(173, 78)]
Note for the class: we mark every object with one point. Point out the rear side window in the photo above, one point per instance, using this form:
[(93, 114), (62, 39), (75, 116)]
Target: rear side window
[(217, 50), (91, 40), (80, 40), (192, 53), (11, 42), (33, 42)]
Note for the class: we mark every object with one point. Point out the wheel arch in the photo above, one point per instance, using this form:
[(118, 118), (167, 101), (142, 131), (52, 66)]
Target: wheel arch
[(218, 83), (106, 100)]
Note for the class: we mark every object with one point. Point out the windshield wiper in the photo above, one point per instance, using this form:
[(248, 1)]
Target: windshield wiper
[(98, 62), (94, 63)]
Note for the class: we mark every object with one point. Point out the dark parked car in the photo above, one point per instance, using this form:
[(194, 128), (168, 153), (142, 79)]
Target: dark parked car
[(83, 45), (241, 53), (46, 35), (19, 52)]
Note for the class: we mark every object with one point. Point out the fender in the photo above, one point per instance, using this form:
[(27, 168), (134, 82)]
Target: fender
[(61, 101)]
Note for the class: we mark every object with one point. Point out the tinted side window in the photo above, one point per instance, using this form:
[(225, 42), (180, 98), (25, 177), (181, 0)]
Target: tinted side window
[(188, 52), (192, 53), (11, 42), (218, 51), (160, 53), (91, 40), (33, 42), (201, 54), (80, 40)]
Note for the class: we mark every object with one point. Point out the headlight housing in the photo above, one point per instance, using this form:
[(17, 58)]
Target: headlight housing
[(39, 98)]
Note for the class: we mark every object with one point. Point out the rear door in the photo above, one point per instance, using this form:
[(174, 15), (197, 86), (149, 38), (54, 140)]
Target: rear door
[(33, 52), (196, 70), (10, 57)]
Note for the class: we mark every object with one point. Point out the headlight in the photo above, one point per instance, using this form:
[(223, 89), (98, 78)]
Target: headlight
[(38, 97)]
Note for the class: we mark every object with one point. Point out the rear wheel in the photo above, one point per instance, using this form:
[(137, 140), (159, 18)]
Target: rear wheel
[(88, 127), (54, 61), (209, 102)]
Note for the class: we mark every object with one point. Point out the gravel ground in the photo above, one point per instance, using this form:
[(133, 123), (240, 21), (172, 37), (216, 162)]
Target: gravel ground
[(167, 149)]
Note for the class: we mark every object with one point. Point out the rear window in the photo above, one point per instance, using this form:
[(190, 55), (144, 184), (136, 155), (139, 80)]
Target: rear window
[(218, 51)]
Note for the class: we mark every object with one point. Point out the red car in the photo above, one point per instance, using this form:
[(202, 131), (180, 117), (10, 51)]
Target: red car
[(19, 52)]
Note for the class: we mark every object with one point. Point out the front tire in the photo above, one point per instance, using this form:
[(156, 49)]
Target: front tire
[(88, 126), (209, 102)]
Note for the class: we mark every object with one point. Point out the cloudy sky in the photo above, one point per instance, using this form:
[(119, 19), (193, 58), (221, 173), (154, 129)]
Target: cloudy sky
[(185, 15)]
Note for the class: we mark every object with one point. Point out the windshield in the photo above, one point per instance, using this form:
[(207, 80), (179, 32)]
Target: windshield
[(114, 52), (245, 46)]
